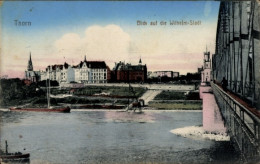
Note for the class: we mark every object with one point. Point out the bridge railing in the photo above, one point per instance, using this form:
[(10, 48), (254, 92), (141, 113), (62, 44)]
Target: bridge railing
[(243, 126)]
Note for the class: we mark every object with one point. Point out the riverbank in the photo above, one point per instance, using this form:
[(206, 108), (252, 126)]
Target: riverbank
[(120, 105), (144, 110), (15, 92), (99, 97), (123, 110)]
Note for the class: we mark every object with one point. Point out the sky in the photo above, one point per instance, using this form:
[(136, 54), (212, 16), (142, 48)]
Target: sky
[(66, 31)]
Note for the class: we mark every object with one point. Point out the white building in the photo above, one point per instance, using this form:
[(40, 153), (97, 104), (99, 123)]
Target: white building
[(169, 74), (84, 72), (91, 72), (61, 73)]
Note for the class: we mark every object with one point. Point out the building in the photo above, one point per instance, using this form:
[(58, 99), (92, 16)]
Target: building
[(84, 72), (206, 70), (129, 73), (168, 74), (60, 73), (91, 72), (30, 74), (175, 74)]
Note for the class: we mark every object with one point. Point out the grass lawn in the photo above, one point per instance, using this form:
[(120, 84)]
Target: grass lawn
[(170, 95), (177, 106), (111, 90), (174, 95)]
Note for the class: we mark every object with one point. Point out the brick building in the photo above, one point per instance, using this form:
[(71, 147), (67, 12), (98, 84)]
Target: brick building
[(125, 72)]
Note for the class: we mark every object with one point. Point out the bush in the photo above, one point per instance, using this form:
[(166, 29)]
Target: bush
[(15, 92), (170, 95)]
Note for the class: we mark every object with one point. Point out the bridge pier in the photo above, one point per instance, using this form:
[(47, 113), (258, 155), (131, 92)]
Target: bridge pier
[(212, 120)]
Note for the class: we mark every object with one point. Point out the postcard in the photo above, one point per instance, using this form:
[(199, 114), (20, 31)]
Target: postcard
[(129, 82)]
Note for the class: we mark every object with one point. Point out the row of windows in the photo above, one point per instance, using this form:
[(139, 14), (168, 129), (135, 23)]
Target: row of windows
[(94, 78), (83, 78), (98, 74), (99, 70), (94, 70), (98, 77), (82, 71)]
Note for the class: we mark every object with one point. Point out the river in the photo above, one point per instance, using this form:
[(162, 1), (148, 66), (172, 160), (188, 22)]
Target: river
[(111, 137)]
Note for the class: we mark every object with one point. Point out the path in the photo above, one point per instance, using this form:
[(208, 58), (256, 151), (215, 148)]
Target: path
[(150, 95), (147, 96)]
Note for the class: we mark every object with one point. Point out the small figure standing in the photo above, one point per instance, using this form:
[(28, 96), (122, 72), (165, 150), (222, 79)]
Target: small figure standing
[(6, 147), (224, 84)]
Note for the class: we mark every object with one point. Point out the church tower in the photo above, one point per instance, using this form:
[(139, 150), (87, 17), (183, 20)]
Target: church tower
[(30, 65), (31, 75)]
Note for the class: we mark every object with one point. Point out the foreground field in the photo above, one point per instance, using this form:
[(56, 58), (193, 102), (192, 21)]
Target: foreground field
[(177, 105), (105, 90), (175, 100), (97, 95)]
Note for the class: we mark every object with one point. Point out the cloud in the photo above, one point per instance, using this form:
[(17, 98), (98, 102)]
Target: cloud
[(97, 43), (176, 47), (69, 41)]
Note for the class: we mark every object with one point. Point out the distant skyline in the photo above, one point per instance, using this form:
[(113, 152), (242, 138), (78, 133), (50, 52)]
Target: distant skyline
[(65, 31)]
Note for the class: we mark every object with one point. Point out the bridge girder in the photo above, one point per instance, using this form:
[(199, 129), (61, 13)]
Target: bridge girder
[(237, 52)]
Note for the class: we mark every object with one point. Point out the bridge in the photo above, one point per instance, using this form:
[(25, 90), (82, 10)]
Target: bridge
[(237, 59)]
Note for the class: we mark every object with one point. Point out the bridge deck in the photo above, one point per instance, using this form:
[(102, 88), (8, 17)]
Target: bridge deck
[(242, 102)]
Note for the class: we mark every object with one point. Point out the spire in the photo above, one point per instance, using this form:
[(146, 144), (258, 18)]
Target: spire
[(85, 59), (30, 65), (140, 61), (30, 57), (206, 48)]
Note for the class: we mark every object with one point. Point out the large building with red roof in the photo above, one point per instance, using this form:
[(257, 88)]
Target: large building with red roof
[(125, 72)]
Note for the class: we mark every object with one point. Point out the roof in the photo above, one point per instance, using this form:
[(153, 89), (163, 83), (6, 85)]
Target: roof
[(92, 64), (97, 64), (128, 67), (60, 66)]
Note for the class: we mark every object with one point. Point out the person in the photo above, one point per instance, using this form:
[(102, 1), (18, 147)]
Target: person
[(224, 84)]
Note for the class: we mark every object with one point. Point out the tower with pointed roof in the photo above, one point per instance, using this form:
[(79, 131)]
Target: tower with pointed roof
[(140, 61), (30, 74), (30, 65)]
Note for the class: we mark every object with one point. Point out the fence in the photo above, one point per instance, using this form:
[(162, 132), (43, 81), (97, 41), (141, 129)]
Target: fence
[(243, 126)]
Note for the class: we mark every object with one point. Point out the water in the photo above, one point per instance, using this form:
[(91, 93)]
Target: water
[(110, 137)]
